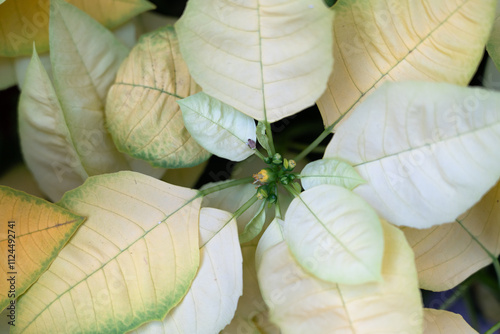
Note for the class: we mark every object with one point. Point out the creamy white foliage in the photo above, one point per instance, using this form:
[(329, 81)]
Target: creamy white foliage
[(335, 235), (85, 57), (46, 142), (443, 322), (218, 127), (246, 53), (211, 301), (428, 151), (330, 171), (301, 303)]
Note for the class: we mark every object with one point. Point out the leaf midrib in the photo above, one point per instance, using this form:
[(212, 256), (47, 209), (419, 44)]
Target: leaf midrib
[(383, 75), (109, 260)]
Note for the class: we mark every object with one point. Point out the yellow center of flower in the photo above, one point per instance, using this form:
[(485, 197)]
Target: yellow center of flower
[(262, 176)]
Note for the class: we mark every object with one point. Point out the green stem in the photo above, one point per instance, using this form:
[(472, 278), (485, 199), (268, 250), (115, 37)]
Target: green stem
[(245, 206), (315, 143), (291, 190), (297, 146), (493, 258), (493, 329), (277, 208), (269, 134), (224, 185), (320, 138), (457, 294), (260, 155)]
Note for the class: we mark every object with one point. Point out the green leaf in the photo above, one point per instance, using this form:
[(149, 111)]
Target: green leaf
[(246, 54), (428, 151), (211, 301), (263, 138), (218, 127), (85, 57), (335, 235), (330, 171), (379, 40), (33, 232), (131, 262), (46, 141), (253, 228), (301, 303), (141, 111)]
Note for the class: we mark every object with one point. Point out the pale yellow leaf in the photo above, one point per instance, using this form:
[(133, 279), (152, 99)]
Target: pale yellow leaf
[(32, 232), (335, 235), (85, 57), (131, 262), (428, 151), (378, 40), (444, 322), (267, 58), (22, 22), (46, 142), (211, 300), (300, 303), (142, 113), (446, 255)]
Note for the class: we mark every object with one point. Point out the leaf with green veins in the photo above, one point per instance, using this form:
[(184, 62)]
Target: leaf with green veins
[(218, 127), (26, 22), (330, 171), (263, 138), (39, 230), (85, 57), (440, 321), (253, 228), (245, 53), (428, 151), (211, 300), (131, 262), (46, 141), (459, 254), (301, 303), (379, 40), (142, 113), (335, 235)]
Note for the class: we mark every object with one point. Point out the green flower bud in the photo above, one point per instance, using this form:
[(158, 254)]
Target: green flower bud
[(277, 159)]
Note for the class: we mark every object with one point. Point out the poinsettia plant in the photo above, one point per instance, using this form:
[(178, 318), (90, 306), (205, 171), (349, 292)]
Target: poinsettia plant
[(405, 197)]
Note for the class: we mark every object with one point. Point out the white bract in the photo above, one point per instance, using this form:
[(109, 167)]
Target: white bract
[(428, 151)]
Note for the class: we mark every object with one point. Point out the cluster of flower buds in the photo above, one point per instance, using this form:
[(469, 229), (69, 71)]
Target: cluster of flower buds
[(278, 172)]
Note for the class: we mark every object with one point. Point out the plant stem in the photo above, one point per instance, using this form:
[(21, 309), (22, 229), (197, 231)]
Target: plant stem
[(245, 206), (269, 134), (493, 329), (291, 190), (277, 209), (494, 259), (223, 186), (320, 138), (260, 155), (457, 294), (315, 143)]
